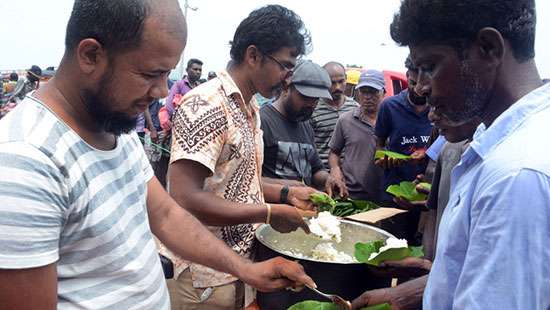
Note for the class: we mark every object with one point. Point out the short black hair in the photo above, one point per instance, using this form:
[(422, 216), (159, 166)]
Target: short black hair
[(14, 77), (270, 28), (117, 25), (457, 23), (193, 61)]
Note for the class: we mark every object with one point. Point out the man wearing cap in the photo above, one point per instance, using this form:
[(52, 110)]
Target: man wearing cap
[(25, 86), (329, 110), (353, 143), (288, 137)]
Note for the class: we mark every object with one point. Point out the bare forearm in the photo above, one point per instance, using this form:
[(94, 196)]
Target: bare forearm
[(409, 294), (214, 211), (320, 178), (185, 236), (148, 120), (272, 190), (334, 161), (271, 181)]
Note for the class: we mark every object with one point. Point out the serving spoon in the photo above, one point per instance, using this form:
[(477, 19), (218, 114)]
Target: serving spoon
[(339, 301)]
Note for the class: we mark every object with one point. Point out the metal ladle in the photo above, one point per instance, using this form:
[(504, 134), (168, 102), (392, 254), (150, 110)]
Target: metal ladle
[(339, 301)]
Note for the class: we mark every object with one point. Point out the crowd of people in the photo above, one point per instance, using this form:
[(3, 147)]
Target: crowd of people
[(123, 189)]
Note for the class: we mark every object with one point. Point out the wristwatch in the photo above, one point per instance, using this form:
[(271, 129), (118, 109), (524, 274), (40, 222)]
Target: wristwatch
[(284, 194)]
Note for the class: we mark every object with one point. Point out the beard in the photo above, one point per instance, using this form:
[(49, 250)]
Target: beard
[(474, 100), (98, 106), (337, 95), (297, 116)]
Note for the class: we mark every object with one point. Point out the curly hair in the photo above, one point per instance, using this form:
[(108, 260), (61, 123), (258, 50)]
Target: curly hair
[(270, 28), (457, 23)]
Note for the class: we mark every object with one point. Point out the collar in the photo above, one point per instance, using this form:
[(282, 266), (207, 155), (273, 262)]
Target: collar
[(186, 81), (486, 139), (231, 90)]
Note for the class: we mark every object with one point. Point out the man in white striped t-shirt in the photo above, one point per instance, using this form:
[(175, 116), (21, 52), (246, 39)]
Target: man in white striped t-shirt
[(79, 199)]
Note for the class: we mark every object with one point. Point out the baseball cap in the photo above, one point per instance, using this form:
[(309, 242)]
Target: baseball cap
[(371, 78), (311, 80), (35, 70)]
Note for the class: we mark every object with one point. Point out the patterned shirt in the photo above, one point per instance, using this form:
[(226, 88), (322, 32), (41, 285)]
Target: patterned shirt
[(214, 127), (323, 121), (65, 202)]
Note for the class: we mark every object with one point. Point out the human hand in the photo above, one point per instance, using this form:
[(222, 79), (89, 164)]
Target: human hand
[(390, 163), (275, 274), (154, 135), (298, 196), (374, 297), (285, 219), (333, 184), (404, 204), (405, 268)]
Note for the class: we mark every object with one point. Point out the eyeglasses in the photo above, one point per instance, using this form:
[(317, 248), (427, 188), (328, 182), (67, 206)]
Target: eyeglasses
[(289, 71)]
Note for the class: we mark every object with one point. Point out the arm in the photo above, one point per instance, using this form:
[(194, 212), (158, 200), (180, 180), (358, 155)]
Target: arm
[(507, 245), (334, 164), (406, 296), (188, 238), (186, 186), (331, 184), (29, 238), (271, 196), (150, 126), (34, 288)]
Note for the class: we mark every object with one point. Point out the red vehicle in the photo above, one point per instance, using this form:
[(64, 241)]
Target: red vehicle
[(395, 81)]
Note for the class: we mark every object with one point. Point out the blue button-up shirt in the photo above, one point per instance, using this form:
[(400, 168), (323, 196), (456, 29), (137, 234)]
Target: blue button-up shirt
[(493, 250)]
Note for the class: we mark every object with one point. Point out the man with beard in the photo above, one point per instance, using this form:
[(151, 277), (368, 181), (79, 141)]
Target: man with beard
[(476, 59), (409, 294), (354, 143), (328, 111), (217, 154), (79, 199), (288, 137)]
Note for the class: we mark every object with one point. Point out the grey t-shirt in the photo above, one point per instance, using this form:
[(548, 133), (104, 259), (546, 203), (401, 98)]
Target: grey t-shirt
[(441, 186), (289, 150), (323, 122), (355, 139)]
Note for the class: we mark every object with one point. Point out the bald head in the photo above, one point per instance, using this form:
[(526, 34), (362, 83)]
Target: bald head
[(337, 74)]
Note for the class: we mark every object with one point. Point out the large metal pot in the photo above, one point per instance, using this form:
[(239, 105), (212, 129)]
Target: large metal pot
[(348, 280)]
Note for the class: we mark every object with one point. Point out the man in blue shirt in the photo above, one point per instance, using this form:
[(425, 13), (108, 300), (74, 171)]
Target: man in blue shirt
[(476, 59), (403, 126)]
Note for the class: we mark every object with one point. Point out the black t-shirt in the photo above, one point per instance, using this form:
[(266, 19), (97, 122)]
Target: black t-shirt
[(289, 150)]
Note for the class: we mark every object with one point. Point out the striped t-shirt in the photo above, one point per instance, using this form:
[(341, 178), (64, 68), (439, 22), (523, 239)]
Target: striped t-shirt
[(64, 201), (323, 121)]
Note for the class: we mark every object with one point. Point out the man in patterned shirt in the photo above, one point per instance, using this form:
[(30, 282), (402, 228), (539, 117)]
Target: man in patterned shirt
[(79, 198), (217, 155)]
